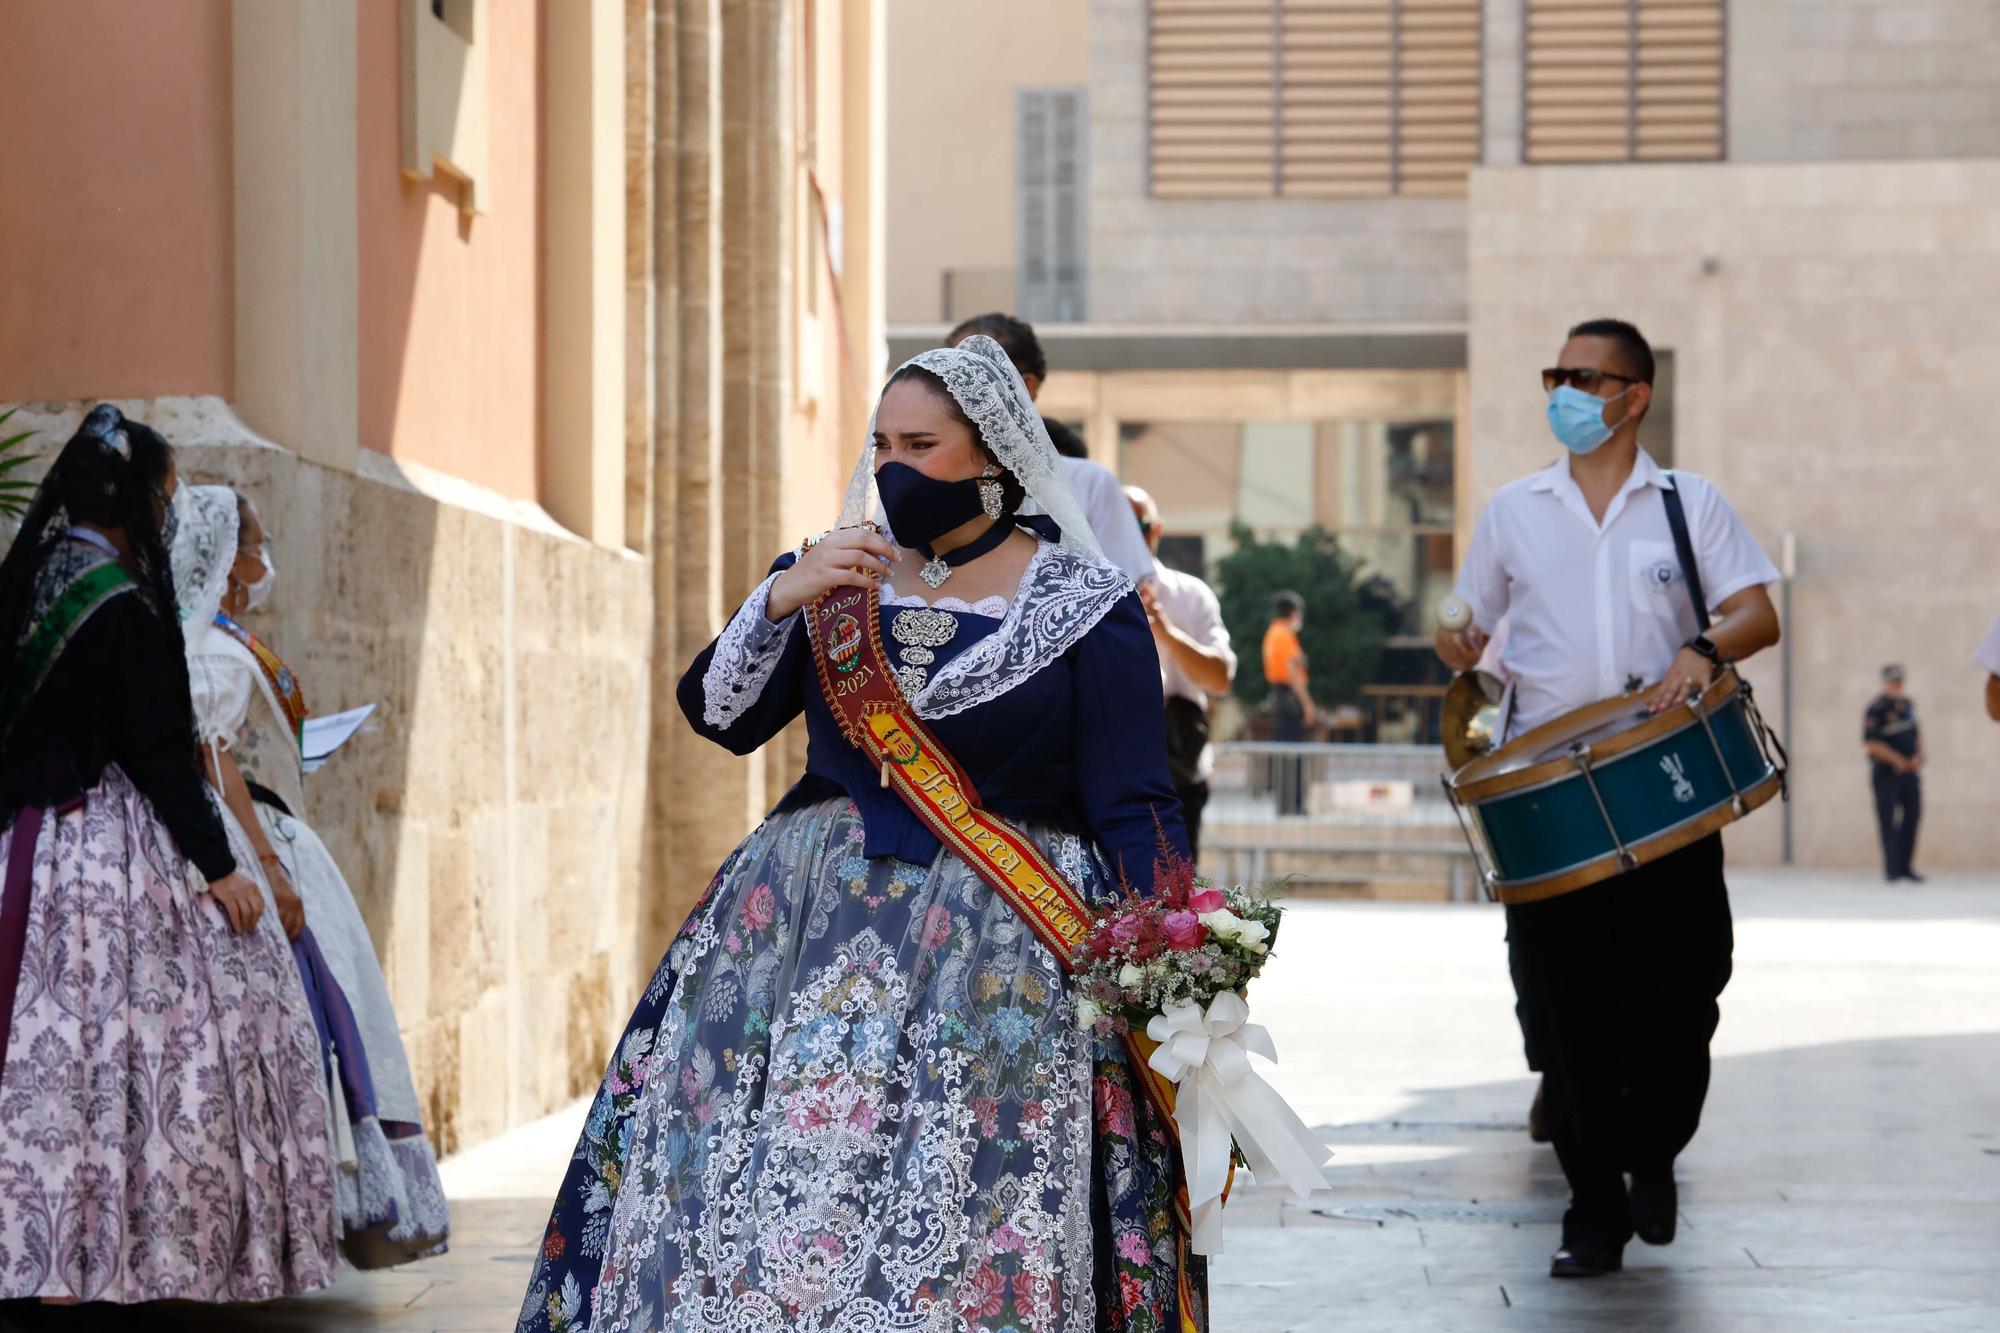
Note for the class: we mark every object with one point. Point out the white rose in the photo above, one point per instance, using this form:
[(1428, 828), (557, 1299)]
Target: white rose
[(1253, 935), (1221, 922), (1087, 1014), (1129, 975)]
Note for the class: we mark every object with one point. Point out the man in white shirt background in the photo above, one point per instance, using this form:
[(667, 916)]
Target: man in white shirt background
[(1096, 486), (1196, 666), (1619, 981)]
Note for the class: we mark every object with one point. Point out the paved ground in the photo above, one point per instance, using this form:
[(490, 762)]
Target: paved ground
[(1847, 1177)]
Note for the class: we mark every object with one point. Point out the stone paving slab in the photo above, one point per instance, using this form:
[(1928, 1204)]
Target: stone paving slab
[(1847, 1175)]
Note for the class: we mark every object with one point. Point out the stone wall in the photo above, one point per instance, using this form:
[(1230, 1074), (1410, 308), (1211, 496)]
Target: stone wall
[(1818, 80), (1835, 358)]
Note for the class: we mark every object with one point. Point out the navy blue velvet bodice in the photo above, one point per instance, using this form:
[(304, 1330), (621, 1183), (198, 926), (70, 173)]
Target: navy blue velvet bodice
[(1080, 743)]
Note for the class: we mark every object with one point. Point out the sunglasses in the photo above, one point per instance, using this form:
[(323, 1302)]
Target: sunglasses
[(1581, 377)]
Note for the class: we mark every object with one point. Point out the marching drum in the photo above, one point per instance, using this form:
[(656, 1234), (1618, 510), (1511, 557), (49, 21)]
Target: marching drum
[(1609, 787)]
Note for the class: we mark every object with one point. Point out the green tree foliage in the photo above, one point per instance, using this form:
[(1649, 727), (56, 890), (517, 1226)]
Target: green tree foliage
[(1349, 614)]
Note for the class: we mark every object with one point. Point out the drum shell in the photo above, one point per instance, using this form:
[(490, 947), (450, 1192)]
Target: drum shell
[(1659, 795)]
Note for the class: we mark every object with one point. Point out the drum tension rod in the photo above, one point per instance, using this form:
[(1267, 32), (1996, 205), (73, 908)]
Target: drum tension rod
[(1580, 756), (1700, 710), (1486, 875)]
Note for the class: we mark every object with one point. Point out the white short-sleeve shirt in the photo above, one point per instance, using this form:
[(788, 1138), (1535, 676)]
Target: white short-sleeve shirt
[(1104, 503), (1190, 606), (1590, 608), (1988, 656)]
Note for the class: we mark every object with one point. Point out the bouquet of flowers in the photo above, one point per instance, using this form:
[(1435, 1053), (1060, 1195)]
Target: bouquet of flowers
[(1187, 944), (1166, 973)]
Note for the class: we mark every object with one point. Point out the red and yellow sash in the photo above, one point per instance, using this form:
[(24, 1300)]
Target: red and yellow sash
[(854, 675), (284, 685)]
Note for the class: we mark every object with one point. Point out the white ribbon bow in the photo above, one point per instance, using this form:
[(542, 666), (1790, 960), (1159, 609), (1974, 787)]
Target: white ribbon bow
[(1221, 1098)]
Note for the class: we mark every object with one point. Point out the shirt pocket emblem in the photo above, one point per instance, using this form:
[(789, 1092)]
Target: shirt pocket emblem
[(1655, 578)]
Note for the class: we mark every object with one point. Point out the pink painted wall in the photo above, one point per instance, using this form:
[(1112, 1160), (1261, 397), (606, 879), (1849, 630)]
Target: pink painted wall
[(116, 267), (449, 310)]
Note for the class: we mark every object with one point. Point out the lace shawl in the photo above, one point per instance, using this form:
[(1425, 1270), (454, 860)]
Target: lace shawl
[(1062, 597)]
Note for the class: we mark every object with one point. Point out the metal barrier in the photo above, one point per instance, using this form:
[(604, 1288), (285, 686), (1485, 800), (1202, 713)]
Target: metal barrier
[(1336, 815)]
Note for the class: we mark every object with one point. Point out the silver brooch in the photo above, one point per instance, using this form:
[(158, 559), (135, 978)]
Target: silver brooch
[(918, 632), (935, 571)]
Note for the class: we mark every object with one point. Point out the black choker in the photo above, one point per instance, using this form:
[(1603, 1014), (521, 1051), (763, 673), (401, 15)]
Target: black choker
[(938, 568)]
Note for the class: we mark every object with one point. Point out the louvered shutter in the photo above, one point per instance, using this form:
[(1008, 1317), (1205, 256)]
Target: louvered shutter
[(1210, 98), (1439, 68), (1624, 80), (1325, 99)]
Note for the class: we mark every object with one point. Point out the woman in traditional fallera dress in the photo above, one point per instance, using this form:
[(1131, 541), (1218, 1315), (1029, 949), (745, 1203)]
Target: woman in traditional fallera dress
[(854, 1097), (163, 1124), (249, 713)]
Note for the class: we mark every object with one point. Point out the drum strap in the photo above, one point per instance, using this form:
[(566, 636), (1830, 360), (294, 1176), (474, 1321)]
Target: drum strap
[(1684, 550)]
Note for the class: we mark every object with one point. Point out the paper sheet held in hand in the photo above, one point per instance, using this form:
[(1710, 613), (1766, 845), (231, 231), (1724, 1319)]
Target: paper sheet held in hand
[(324, 735)]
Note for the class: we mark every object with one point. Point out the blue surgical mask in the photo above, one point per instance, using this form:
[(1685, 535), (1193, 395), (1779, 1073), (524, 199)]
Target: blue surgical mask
[(1577, 418)]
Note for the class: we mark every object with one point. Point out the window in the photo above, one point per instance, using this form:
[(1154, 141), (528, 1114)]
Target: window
[(1326, 99), (1623, 80), (1051, 128)]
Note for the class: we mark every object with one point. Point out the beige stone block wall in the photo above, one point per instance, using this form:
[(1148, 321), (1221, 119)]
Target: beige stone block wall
[(1836, 358), (1814, 80), (491, 825)]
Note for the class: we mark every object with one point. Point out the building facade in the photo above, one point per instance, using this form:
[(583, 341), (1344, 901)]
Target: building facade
[(1296, 262), (535, 329)]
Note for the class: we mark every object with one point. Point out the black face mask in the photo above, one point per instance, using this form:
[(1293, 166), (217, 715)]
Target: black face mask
[(922, 509)]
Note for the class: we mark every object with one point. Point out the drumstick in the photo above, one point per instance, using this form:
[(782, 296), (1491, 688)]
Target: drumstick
[(1454, 614)]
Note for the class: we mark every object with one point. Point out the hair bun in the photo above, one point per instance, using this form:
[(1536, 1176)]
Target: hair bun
[(107, 423)]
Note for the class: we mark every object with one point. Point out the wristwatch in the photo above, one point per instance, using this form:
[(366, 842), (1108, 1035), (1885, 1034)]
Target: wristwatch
[(1704, 645)]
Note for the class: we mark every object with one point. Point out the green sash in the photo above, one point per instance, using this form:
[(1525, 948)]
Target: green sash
[(87, 593)]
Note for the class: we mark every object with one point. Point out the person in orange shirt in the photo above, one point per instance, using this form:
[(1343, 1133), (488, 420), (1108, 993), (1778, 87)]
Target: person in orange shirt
[(1292, 711)]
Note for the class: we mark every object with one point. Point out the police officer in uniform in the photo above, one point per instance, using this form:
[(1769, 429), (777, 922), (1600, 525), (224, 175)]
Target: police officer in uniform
[(1895, 753)]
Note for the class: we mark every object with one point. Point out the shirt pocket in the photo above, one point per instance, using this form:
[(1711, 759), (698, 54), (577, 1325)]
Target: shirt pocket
[(1653, 573)]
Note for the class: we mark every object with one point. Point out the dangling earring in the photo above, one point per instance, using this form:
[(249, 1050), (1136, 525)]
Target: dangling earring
[(992, 496)]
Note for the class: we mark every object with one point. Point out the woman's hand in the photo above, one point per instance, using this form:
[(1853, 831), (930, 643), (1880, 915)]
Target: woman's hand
[(847, 558), (239, 899), (291, 912)]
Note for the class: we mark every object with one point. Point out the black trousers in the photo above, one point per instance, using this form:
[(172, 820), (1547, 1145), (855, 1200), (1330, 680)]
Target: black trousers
[(1618, 986), (1899, 804), (1288, 723), (1194, 799)]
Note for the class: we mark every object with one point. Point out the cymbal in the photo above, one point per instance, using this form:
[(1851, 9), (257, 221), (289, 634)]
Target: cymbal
[(1471, 717)]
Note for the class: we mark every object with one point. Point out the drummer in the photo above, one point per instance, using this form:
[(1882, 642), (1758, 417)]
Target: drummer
[(1619, 981)]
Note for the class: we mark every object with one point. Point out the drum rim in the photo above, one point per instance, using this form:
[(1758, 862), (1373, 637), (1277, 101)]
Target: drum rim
[(1474, 789), (1673, 838)]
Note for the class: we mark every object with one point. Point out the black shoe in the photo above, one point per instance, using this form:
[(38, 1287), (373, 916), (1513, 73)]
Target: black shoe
[(1913, 877), (1655, 1210), (1538, 1117), (1584, 1258)]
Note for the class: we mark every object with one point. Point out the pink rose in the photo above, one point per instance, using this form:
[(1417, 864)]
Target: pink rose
[(1183, 931), (1206, 900)]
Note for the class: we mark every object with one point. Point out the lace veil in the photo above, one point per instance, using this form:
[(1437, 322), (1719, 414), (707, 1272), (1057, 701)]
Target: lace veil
[(203, 550), (990, 392)]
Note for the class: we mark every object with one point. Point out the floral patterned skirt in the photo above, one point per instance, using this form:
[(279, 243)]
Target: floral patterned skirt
[(163, 1119), (854, 1100)]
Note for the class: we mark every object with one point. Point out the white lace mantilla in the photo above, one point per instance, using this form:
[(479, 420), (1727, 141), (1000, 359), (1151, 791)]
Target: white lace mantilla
[(1063, 595), (745, 656)]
